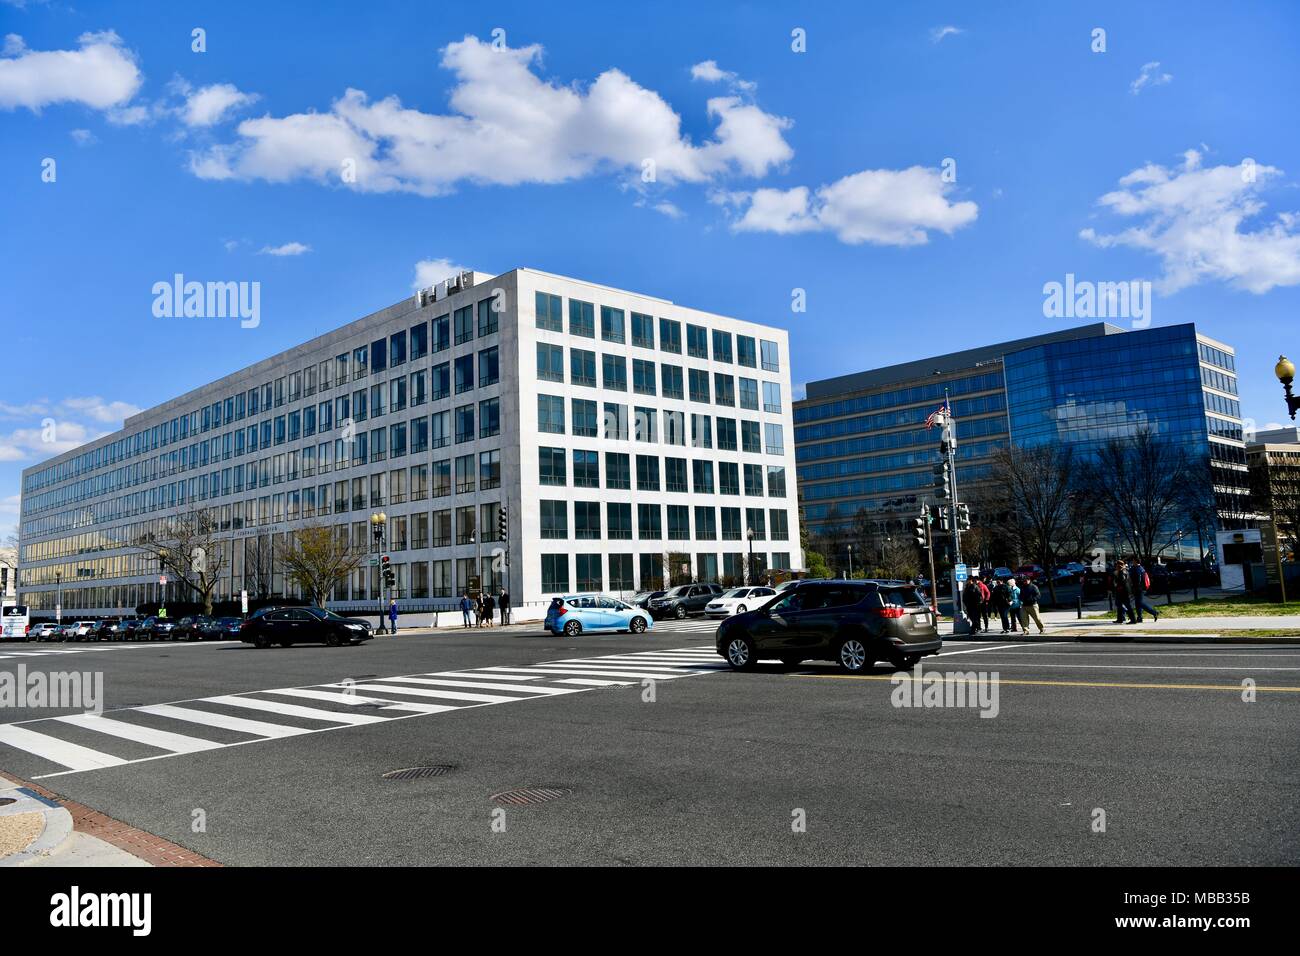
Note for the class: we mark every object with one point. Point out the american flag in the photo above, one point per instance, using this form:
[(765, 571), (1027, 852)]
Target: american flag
[(938, 415)]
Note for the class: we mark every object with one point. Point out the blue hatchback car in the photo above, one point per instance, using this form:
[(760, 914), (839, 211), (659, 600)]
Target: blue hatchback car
[(573, 614)]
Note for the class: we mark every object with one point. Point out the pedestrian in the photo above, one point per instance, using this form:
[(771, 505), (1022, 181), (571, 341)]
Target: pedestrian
[(465, 605), (1001, 601), (1013, 603), (1030, 595), (489, 608), (970, 604), (985, 595), (1122, 589), (1139, 585), (392, 616), (503, 602)]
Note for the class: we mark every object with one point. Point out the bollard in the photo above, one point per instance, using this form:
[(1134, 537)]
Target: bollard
[(1078, 606)]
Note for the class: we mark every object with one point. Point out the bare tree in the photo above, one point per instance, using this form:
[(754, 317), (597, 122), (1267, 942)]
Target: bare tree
[(900, 558), (1050, 512), (259, 565), (187, 546), (1141, 484), (317, 560)]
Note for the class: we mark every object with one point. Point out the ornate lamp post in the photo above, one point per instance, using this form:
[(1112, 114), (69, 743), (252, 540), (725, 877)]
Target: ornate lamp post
[(749, 575), (1285, 372), (850, 562)]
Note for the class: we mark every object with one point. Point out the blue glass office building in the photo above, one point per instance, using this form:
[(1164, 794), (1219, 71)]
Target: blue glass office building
[(861, 444)]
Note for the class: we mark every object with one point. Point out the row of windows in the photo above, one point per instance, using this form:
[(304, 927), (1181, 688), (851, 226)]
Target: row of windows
[(1224, 383), (639, 329), (911, 459), (613, 424), (969, 428), (390, 352), (735, 569), (898, 418), (931, 392), (552, 470), (650, 522), (1213, 356)]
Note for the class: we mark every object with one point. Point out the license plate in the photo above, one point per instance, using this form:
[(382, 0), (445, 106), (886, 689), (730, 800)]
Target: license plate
[(923, 617)]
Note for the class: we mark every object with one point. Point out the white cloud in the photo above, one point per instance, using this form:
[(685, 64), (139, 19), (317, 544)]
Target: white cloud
[(1192, 217), (76, 420), (1148, 76), (99, 410), (83, 137), (708, 71), (429, 272), (884, 207), (288, 249), (671, 210), (102, 74), (938, 34), (508, 126), (209, 105)]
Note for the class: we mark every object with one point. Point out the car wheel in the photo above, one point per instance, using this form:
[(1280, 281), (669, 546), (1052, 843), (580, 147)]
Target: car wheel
[(572, 629), (680, 612), (905, 662), (332, 639), (261, 642), (741, 654), (852, 655), (637, 625)]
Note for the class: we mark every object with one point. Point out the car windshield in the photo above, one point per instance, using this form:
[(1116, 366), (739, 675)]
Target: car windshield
[(228, 620), (737, 593), (680, 591), (324, 615)]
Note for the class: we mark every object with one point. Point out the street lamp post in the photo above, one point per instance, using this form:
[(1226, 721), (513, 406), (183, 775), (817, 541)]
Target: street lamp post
[(58, 597), (1285, 372), (379, 527), (850, 562), (749, 572)]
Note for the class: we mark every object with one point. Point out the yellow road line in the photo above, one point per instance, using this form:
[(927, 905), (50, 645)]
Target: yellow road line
[(1067, 683)]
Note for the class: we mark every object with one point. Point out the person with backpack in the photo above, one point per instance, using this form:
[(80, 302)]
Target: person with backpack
[(970, 604), (985, 595), (1140, 584), (1121, 585), (1001, 602), (489, 608), (1030, 595), (1013, 604)]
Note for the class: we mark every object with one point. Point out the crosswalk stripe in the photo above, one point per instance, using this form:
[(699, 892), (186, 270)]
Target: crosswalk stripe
[(257, 728), (591, 682), (607, 672), (295, 710), (334, 697), (621, 662), (72, 756), (162, 739), (471, 673), (481, 685), (428, 692)]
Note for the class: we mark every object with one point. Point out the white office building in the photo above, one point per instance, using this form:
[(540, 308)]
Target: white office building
[(632, 442)]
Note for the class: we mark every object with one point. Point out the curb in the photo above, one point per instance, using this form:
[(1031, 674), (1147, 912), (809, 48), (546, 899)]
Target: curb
[(1147, 637), (56, 826)]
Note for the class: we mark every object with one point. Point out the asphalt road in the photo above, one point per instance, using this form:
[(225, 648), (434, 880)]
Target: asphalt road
[(717, 768)]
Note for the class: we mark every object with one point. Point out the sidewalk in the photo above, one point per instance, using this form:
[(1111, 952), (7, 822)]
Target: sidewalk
[(38, 830)]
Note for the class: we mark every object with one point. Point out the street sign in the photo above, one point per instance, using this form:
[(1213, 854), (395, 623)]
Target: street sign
[(374, 562), (960, 571), (162, 579)]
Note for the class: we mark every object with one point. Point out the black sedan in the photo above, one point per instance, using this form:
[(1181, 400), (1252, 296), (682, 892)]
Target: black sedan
[(303, 625), (221, 629), (191, 628)]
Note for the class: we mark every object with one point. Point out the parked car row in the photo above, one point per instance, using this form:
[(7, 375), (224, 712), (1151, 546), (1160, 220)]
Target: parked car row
[(194, 628)]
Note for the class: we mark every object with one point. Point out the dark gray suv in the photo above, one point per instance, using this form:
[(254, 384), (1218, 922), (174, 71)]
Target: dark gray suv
[(854, 623), (683, 600)]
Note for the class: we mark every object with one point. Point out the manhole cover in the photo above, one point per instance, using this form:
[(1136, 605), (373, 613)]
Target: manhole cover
[(524, 796), (416, 773), (5, 801)]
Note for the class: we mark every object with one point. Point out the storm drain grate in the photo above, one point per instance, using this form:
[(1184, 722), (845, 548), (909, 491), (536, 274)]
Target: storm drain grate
[(525, 796), (417, 773)]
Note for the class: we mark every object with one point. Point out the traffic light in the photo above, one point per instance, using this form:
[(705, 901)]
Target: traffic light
[(942, 481), (963, 517), (919, 529), (944, 524), (386, 569), (503, 526)]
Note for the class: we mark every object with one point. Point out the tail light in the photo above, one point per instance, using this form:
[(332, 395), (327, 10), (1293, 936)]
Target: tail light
[(561, 610), (891, 611)]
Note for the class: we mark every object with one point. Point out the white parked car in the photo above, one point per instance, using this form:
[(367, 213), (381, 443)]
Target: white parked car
[(83, 630), (738, 601)]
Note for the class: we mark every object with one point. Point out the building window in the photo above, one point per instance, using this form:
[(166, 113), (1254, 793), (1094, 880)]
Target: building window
[(441, 333), (731, 524), (697, 342), (465, 475), (586, 520), (614, 372), (754, 480), (674, 428), (489, 367), (706, 523), (464, 423), (549, 312), (775, 439), (721, 346), (646, 422), (582, 319), (670, 336), (464, 324), (397, 349), (728, 478), (419, 341), (699, 385), (749, 438), (745, 351), (679, 523), (772, 397), (551, 467), (619, 520), (589, 578), (555, 573), (582, 367), (643, 330), (586, 469), (615, 422), (671, 379), (555, 518), (776, 481), (617, 470), (550, 414), (702, 477), (440, 381), (489, 469), (780, 524), (489, 418), (550, 362), (701, 431), (727, 434), (464, 374), (771, 357), (647, 473), (648, 522), (675, 475), (612, 324), (620, 572), (643, 377), (749, 394), (487, 317)]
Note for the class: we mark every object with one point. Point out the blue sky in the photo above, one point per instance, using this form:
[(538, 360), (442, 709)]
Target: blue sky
[(775, 170)]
